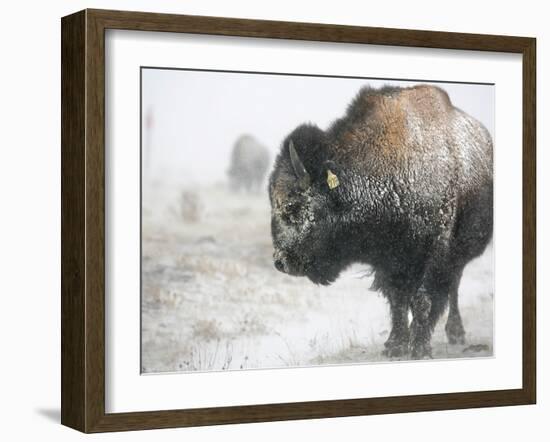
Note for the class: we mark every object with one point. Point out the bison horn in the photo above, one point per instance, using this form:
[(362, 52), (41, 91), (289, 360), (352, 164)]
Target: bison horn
[(297, 165)]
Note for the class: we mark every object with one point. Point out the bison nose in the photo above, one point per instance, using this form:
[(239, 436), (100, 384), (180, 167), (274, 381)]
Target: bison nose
[(279, 265)]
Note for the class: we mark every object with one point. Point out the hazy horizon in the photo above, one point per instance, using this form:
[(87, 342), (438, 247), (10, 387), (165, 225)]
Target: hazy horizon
[(198, 115)]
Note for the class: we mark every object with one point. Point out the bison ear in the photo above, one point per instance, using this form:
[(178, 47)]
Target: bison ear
[(299, 170)]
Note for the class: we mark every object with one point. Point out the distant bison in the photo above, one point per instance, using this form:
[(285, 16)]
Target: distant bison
[(403, 182), (249, 163)]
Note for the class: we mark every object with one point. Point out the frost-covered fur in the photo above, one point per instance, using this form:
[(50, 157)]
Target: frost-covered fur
[(414, 201)]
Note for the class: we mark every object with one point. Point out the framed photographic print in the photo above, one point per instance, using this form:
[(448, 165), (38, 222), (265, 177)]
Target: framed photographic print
[(270, 220)]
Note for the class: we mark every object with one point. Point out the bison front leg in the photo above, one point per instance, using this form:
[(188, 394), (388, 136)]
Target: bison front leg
[(397, 344), (421, 330)]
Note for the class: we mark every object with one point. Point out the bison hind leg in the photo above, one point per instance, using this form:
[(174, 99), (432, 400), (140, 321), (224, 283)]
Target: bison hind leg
[(421, 328), (454, 328), (443, 285)]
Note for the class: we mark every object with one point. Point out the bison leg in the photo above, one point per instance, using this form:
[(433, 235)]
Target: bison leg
[(421, 329), (454, 327), (398, 342)]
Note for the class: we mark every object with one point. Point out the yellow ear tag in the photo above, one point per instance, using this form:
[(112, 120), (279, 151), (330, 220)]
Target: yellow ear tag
[(332, 180)]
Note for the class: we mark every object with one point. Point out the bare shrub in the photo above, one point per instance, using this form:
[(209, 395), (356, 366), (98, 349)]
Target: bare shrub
[(206, 329), (190, 206), (210, 356)]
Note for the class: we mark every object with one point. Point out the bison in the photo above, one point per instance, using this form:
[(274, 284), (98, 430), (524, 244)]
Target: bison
[(404, 183), (249, 164)]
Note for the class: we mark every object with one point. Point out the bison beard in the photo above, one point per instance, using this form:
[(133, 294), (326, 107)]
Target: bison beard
[(403, 182)]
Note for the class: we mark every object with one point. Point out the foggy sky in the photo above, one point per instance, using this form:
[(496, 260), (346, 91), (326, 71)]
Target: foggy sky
[(197, 116)]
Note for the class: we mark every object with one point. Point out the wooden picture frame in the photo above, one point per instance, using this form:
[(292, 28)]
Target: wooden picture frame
[(83, 220)]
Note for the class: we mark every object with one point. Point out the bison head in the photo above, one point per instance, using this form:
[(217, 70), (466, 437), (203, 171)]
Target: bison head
[(307, 211)]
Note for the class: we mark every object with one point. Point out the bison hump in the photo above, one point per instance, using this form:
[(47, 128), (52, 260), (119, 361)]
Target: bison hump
[(393, 124)]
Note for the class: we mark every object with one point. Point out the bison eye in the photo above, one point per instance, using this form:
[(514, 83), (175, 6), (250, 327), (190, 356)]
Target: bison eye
[(291, 212)]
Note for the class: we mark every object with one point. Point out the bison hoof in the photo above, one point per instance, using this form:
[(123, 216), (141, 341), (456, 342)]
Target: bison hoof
[(456, 339), (455, 333), (421, 351), (395, 350)]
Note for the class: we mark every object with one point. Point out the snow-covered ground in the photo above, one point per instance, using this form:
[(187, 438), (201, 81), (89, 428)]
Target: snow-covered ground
[(212, 300)]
